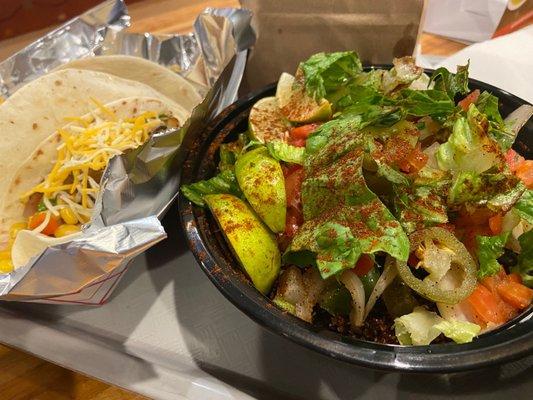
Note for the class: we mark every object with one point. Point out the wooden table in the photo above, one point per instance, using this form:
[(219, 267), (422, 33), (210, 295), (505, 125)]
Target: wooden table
[(26, 376)]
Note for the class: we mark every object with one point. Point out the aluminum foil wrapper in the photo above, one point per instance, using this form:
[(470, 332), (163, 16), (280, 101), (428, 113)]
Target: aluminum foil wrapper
[(139, 186)]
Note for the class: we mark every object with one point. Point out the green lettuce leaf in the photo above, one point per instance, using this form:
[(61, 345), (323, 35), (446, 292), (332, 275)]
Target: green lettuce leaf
[(451, 84), (343, 218), (224, 182), (418, 207), (282, 151), (400, 75), (421, 327), (459, 331), (325, 72), (498, 191), (417, 328), (426, 102), (525, 258), (488, 105), (332, 129), (524, 206), (489, 249), (229, 152), (469, 148)]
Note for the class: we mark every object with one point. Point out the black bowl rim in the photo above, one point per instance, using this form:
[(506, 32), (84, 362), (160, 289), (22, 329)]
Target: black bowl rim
[(496, 347)]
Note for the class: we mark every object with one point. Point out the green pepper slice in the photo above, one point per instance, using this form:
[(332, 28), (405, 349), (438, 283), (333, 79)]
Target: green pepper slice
[(460, 259)]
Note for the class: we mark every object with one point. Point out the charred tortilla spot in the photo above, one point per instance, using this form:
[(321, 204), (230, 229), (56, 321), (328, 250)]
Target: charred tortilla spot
[(17, 181), (58, 83), (34, 126)]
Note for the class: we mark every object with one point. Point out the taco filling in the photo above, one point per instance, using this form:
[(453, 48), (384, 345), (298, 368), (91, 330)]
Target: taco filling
[(77, 155)]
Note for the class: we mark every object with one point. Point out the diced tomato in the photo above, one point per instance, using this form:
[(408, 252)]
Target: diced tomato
[(303, 132), (298, 135), (297, 142), (293, 221), (37, 219), (513, 159), (495, 224), (513, 276), (449, 227), (293, 187), (525, 173), (467, 235), (414, 161), (413, 260), (469, 99), (485, 306), (479, 216), (515, 294), (363, 265)]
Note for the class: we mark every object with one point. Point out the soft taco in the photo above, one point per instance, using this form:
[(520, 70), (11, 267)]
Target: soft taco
[(162, 79), (54, 191), (39, 108)]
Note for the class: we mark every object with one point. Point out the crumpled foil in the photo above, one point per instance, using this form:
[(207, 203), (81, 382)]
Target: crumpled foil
[(139, 186)]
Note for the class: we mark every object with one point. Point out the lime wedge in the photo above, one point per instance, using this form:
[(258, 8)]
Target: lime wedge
[(252, 243), (266, 122), (261, 179), (296, 105)]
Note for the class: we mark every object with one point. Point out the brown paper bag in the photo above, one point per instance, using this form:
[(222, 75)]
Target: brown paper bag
[(290, 31)]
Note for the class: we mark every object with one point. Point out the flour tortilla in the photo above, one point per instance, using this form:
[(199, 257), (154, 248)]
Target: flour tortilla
[(37, 166), (39, 108), (138, 69)]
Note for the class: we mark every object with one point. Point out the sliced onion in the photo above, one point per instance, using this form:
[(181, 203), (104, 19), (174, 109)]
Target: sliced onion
[(43, 224), (357, 291), (314, 284), (518, 118), (386, 278)]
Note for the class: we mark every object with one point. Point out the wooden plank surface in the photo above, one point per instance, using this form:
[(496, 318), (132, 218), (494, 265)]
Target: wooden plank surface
[(25, 377)]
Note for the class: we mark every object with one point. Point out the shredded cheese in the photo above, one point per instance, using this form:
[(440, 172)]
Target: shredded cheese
[(86, 147)]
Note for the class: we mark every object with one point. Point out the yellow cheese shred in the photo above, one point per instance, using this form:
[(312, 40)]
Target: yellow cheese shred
[(85, 149)]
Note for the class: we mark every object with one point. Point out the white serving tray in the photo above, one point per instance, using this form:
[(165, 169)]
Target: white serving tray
[(168, 333)]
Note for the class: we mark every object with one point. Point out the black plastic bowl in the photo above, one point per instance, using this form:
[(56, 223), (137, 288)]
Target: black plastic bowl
[(512, 341)]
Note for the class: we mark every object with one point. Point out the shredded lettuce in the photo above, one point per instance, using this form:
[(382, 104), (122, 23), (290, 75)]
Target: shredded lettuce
[(224, 182), (469, 148), (525, 258), (325, 72), (421, 327), (489, 249), (282, 151), (417, 328), (450, 83), (458, 331), (524, 206)]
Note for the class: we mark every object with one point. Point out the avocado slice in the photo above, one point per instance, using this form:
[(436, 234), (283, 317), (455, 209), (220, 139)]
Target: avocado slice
[(260, 178), (266, 122), (252, 243), (296, 105)]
